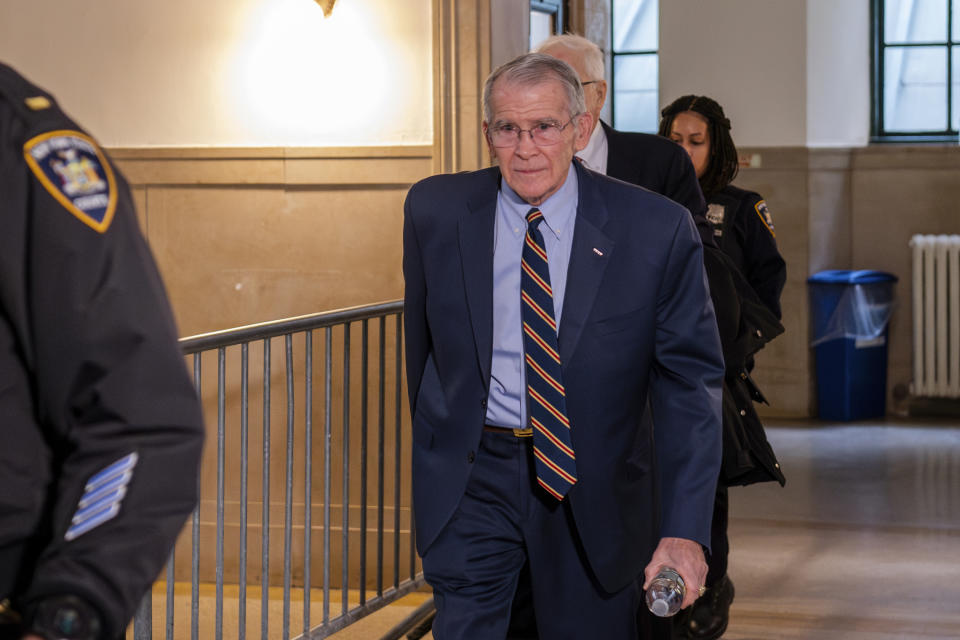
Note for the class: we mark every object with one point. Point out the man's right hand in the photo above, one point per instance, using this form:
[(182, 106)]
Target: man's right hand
[(686, 557)]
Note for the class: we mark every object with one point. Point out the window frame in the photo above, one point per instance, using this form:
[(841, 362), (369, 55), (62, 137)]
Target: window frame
[(553, 8), (614, 54), (878, 47)]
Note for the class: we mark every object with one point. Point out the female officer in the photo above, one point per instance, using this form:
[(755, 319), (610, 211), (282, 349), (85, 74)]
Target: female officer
[(741, 222), (744, 231)]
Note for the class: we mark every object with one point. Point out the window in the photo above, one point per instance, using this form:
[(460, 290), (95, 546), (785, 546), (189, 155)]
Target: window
[(546, 19), (916, 70), (636, 78)]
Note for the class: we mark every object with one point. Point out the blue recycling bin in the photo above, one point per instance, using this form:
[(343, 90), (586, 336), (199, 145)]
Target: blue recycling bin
[(851, 312)]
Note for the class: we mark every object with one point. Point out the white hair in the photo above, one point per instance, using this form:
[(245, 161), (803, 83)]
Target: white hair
[(589, 53), (532, 69)]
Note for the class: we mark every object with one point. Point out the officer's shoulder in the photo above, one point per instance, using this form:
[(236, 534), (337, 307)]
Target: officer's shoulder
[(744, 196), (36, 108), (63, 159)]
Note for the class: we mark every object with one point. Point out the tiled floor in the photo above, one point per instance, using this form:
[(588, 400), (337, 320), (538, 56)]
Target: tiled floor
[(862, 544)]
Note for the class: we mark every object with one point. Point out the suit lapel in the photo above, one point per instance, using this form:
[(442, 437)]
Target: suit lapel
[(476, 259), (591, 251)]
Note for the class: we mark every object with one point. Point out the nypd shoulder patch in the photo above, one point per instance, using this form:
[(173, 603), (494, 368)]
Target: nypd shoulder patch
[(764, 213), (71, 166)]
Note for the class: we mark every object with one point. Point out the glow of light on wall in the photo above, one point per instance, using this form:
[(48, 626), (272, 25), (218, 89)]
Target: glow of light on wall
[(300, 79)]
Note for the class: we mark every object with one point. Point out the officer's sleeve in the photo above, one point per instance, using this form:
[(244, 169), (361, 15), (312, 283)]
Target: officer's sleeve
[(764, 267), (112, 388)]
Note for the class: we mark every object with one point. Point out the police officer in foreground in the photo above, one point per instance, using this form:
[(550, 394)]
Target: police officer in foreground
[(100, 428)]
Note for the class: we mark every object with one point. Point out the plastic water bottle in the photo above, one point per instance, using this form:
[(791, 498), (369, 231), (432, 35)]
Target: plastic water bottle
[(665, 593)]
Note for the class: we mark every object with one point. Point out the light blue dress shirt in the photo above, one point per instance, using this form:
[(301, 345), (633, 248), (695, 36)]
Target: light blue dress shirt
[(506, 403)]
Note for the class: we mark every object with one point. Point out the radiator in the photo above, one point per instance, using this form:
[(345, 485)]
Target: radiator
[(936, 316)]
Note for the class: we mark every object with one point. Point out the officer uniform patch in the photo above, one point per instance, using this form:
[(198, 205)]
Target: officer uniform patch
[(102, 495), (764, 213), (715, 216), (71, 166)]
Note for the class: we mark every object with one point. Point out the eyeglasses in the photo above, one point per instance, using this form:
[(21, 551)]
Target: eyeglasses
[(542, 134), (590, 82)]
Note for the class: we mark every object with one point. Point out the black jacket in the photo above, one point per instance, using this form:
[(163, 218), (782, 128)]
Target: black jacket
[(660, 165), (744, 229), (745, 328), (101, 426), (744, 322)]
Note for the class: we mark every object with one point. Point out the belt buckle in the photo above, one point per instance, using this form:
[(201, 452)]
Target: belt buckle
[(523, 433)]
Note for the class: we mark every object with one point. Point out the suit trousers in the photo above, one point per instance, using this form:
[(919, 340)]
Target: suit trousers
[(503, 522), (523, 624)]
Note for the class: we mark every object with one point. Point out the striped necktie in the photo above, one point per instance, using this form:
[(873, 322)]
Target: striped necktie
[(555, 462)]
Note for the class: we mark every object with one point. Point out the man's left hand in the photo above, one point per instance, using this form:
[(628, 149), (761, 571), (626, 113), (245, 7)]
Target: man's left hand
[(686, 557)]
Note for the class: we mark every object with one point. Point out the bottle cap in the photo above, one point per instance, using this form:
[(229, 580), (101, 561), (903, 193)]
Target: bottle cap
[(660, 608)]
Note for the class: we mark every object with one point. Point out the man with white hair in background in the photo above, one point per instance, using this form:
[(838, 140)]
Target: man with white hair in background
[(643, 159)]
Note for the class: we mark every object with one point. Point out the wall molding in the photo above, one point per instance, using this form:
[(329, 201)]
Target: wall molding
[(274, 166), (885, 156), (899, 156)]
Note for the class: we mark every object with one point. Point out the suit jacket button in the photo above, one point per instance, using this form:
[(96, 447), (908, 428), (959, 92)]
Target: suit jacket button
[(743, 412), (470, 457)]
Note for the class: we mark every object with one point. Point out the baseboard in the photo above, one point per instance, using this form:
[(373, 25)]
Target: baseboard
[(934, 407)]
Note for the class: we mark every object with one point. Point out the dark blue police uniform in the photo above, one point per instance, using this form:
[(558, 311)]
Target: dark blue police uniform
[(101, 427), (744, 230)]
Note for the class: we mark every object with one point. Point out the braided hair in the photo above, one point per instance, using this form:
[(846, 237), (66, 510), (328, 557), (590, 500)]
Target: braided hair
[(722, 166)]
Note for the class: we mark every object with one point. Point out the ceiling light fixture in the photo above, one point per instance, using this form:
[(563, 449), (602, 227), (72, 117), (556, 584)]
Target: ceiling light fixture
[(327, 6)]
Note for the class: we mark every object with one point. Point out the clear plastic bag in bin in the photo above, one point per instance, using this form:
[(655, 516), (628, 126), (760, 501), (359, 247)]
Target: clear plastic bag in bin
[(855, 305)]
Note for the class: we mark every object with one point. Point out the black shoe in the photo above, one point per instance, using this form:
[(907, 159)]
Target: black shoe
[(708, 617)]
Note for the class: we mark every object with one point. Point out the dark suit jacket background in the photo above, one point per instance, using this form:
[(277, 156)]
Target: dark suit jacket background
[(636, 313), (660, 165)]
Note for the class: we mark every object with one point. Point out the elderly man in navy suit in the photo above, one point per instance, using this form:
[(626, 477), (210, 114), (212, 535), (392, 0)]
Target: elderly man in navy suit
[(540, 309)]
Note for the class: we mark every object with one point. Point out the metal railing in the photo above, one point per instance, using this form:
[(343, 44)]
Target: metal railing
[(353, 393)]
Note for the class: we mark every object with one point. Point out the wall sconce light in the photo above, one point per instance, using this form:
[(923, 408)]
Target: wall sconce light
[(327, 6)]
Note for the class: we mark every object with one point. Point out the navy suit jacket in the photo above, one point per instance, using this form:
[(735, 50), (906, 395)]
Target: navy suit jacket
[(637, 315)]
